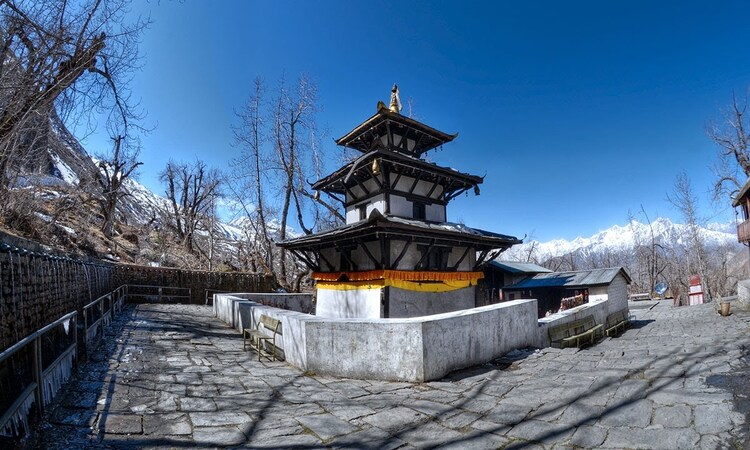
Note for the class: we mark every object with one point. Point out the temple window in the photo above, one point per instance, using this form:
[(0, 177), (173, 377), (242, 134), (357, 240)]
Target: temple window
[(419, 210)]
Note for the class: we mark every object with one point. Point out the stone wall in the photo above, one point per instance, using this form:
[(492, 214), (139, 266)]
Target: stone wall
[(37, 288), (199, 281)]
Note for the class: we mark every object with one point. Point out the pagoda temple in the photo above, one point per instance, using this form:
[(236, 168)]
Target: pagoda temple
[(396, 256)]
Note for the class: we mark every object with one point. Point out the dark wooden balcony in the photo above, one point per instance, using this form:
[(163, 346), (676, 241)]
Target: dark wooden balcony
[(743, 232)]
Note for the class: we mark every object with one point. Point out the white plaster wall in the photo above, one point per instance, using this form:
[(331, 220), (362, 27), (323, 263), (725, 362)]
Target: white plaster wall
[(333, 303), (598, 293), (224, 307), (618, 294), (404, 303), (414, 349), (435, 212), (470, 337), (381, 349), (373, 203), (352, 215), (400, 206)]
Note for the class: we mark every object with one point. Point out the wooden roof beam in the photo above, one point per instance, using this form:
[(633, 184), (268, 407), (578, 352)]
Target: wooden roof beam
[(370, 255), (407, 244)]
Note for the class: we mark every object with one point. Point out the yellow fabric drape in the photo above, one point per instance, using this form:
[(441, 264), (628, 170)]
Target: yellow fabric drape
[(420, 281), (407, 275)]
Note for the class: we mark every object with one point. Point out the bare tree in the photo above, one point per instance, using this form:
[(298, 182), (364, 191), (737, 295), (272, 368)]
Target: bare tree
[(280, 154), (251, 177), (190, 190), (75, 57), (650, 263), (683, 198), (731, 136), (112, 172)]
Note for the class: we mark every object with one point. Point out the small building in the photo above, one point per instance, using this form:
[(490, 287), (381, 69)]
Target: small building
[(396, 256), (741, 204), (499, 274), (550, 288)]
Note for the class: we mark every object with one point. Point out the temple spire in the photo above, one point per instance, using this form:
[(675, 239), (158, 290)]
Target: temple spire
[(395, 100)]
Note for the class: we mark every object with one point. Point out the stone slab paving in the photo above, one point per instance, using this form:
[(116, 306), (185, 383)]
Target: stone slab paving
[(172, 376)]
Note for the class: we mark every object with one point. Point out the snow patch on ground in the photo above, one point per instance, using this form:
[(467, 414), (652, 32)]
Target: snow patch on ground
[(64, 170)]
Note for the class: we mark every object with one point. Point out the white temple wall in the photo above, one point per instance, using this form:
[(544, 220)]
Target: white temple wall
[(404, 303), (401, 207), (359, 303), (435, 212), (373, 203)]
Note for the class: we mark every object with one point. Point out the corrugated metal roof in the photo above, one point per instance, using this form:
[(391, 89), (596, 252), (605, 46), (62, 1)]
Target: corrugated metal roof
[(519, 267), (581, 278)]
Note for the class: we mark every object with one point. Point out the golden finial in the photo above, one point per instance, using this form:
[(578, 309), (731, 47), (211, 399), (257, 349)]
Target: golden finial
[(395, 100)]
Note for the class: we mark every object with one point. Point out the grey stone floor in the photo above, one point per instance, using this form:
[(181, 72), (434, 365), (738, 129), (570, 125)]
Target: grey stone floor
[(172, 376)]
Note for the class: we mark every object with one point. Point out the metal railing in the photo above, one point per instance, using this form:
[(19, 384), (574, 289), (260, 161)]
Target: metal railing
[(99, 313), (45, 382), (158, 294), (48, 380)]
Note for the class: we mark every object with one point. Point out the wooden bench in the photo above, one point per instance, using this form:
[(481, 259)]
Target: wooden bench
[(641, 296), (617, 322), (574, 334), (258, 337)]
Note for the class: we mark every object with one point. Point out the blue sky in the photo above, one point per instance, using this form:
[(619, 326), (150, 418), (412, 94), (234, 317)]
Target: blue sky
[(576, 111)]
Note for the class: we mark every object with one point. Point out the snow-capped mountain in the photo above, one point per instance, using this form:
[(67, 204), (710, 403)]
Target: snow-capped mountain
[(625, 237)]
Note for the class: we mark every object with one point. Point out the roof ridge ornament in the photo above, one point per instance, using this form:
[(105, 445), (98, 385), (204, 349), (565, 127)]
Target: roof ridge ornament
[(395, 100)]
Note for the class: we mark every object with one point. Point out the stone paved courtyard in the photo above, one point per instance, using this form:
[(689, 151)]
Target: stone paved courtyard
[(172, 376)]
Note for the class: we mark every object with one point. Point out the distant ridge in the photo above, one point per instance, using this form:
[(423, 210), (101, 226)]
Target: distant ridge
[(619, 238)]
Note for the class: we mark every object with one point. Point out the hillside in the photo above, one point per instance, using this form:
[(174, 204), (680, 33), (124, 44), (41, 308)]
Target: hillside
[(52, 201)]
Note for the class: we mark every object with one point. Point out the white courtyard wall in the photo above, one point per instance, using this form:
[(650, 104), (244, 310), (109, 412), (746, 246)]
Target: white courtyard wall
[(415, 349)]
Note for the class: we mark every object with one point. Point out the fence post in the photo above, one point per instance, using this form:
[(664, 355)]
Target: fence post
[(101, 318), (37, 368), (74, 325), (159, 300)]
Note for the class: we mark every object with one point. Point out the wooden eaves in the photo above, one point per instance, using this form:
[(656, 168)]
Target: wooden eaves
[(453, 181), (363, 137), (384, 228)]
